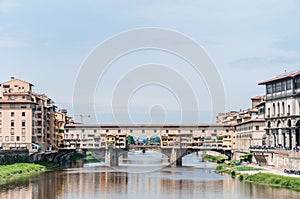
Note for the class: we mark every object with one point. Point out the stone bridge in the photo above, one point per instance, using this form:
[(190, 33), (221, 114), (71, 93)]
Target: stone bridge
[(174, 154)]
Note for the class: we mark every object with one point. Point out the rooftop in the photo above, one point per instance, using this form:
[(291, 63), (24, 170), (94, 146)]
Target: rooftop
[(290, 75)]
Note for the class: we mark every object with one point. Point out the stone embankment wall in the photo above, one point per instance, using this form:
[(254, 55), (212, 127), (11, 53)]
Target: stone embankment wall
[(286, 160), (13, 156), (23, 156)]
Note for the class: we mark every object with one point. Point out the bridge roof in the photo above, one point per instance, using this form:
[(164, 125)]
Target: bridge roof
[(79, 125)]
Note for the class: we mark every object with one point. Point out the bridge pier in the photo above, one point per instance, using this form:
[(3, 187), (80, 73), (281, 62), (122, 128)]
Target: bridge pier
[(112, 156), (175, 155)]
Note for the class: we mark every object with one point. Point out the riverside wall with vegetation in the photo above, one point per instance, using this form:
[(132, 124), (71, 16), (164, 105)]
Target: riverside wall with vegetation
[(236, 169)]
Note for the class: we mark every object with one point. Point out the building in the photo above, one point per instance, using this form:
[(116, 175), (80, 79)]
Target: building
[(26, 117), (248, 125), (283, 110), (92, 136)]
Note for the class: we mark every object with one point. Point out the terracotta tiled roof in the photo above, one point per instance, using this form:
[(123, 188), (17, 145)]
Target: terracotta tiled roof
[(18, 80), (291, 75)]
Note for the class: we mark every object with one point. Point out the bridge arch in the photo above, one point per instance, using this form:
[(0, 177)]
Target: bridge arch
[(155, 140), (142, 140)]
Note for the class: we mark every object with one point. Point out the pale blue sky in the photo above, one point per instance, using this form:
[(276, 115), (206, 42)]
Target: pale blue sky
[(45, 42)]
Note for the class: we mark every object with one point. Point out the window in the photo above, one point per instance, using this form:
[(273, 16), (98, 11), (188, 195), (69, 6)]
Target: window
[(143, 131), (0, 114), (289, 85), (12, 114), (131, 130), (283, 109), (23, 122), (12, 105), (12, 131), (289, 110), (278, 87), (0, 106), (0, 122), (283, 86), (0, 138), (257, 128), (273, 109), (0, 130), (12, 138), (12, 123), (167, 131), (23, 138), (269, 89), (278, 109), (179, 131), (23, 131), (18, 138), (107, 130), (23, 97), (23, 114), (82, 130), (119, 130), (95, 131), (155, 130), (23, 106), (6, 138)]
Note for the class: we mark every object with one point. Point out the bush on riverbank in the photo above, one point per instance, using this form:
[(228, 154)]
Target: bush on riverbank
[(211, 158), (274, 180), (9, 172)]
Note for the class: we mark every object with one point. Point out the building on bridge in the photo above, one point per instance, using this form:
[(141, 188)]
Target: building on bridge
[(89, 136), (283, 110)]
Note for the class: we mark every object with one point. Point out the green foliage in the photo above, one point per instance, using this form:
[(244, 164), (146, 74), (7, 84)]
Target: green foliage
[(246, 157), (219, 167), (9, 172), (131, 140), (243, 168), (211, 158), (275, 180), (241, 177), (233, 174)]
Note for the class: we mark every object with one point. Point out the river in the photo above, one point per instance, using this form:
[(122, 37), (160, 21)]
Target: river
[(139, 176)]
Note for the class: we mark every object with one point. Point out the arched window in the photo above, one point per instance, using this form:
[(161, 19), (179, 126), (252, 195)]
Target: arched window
[(283, 109), (278, 109), (269, 112), (289, 110), (273, 113)]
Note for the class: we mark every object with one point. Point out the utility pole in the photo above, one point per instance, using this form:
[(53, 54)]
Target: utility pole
[(82, 116)]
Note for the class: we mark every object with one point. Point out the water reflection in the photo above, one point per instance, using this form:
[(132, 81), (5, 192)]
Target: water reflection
[(193, 181)]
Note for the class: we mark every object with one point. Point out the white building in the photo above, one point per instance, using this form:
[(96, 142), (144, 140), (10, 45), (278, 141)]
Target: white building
[(283, 110)]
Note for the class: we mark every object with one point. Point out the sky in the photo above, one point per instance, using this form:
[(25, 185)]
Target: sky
[(47, 43)]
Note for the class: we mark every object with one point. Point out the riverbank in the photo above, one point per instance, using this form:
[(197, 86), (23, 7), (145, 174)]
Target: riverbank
[(272, 180), (11, 172), (260, 175)]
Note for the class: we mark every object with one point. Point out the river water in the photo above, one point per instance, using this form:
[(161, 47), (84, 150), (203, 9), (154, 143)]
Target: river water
[(140, 176)]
